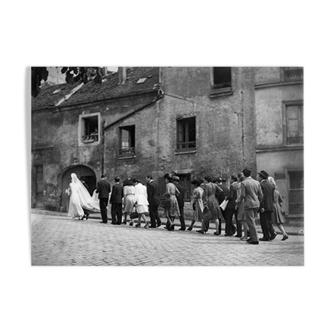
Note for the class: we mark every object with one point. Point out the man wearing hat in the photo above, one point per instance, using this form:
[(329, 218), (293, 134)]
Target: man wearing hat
[(180, 199), (266, 207)]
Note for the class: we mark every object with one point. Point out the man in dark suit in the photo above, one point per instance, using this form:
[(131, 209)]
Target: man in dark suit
[(230, 208), (103, 189), (220, 197), (154, 201), (266, 207), (116, 201), (180, 199)]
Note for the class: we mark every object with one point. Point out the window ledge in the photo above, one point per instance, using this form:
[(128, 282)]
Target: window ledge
[(127, 157), (219, 93), (89, 143), (178, 152), (279, 148)]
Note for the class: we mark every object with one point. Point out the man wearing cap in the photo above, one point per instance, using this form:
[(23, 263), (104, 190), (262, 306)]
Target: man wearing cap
[(180, 199), (103, 189), (116, 201), (154, 201), (266, 207)]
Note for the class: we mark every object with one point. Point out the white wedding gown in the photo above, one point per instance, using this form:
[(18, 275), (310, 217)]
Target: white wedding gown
[(80, 198)]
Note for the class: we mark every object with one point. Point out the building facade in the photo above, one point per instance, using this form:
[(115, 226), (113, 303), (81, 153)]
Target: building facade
[(191, 121), (279, 117)]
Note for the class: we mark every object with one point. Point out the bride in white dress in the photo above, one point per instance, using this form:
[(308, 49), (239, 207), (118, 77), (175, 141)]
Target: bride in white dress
[(80, 198)]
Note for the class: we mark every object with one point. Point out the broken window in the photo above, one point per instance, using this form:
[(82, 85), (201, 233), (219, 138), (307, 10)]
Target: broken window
[(186, 134), (127, 140), (90, 129), (222, 77), (294, 124)]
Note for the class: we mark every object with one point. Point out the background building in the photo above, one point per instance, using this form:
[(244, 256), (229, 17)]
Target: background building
[(191, 121), (279, 117)]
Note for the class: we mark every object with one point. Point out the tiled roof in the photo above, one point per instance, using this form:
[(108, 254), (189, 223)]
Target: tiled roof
[(91, 91)]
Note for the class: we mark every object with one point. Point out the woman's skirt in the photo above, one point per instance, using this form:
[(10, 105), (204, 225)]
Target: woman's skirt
[(174, 206), (214, 207), (277, 217), (241, 213), (129, 202)]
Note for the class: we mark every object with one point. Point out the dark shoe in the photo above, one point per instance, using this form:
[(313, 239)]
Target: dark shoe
[(131, 224), (216, 233), (124, 223), (272, 237), (152, 226), (238, 235), (138, 225), (189, 229), (181, 229), (103, 222), (171, 228), (285, 237), (159, 224), (253, 242), (228, 234), (264, 239), (200, 231)]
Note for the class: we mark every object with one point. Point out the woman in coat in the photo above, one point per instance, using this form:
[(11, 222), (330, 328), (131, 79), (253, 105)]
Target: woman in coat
[(172, 208), (197, 203), (277, 216), (211, 202)]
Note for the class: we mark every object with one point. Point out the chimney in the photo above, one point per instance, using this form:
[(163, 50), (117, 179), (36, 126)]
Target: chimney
[(122, 73)]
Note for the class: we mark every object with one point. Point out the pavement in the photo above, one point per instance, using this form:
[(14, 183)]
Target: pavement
[(290, 229), (57, 240)]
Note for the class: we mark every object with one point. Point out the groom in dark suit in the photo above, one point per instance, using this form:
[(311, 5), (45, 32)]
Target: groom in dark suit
[(103, 189), (266, 207), (154, 201)]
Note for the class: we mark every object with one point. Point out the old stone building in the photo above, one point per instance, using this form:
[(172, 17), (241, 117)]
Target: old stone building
[(192, 121), (279, 117)]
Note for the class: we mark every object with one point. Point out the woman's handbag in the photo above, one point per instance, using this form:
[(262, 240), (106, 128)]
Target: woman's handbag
[(133, 215), (223, 205), (207, 215)]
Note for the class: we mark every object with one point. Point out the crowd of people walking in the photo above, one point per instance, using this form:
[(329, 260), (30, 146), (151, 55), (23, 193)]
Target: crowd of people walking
[(212, 201)]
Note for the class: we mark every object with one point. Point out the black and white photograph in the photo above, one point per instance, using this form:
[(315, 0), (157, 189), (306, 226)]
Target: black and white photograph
[(175, 166)]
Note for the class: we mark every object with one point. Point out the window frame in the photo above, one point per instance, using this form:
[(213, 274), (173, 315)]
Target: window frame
[(285, 104), (132, 136), (81, 130), (186, 134), (220, 91)]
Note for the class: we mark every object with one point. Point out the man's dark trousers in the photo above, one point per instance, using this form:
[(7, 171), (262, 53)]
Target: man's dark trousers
[(266, 224), (116, 212), (103, 208), (229, 227), (153, 211)]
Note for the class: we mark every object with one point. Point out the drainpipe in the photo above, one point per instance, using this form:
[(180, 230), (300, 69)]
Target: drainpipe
[(102, 135), (242, 128)]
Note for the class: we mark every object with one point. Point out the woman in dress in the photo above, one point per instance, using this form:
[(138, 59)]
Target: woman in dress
[(241, 215), (142, 204), (211, 202), (129, 199), (80, 199), (172, 208), (197, 203), (277, 216)]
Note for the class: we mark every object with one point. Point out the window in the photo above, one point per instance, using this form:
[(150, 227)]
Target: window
[(222, 77), (296, 189), (293, 73), (89, 128), (127, 140), (185, 182), (294, 123), (186, 134)]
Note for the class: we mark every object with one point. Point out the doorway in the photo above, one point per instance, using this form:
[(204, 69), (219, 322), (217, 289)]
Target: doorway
[(82, 172)]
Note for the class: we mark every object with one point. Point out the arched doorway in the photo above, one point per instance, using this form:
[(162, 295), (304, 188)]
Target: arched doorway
[(82, 172)]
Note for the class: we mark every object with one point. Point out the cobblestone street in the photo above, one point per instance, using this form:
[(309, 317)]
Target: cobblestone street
[(57, 240)]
